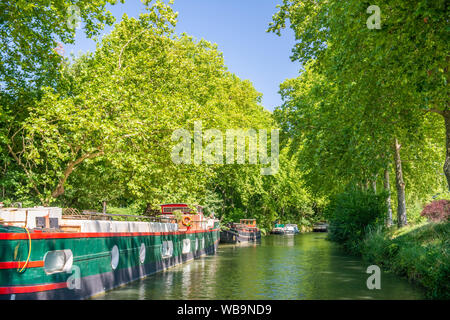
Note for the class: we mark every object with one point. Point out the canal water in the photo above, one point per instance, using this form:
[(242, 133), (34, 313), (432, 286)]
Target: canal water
[(304, 266)]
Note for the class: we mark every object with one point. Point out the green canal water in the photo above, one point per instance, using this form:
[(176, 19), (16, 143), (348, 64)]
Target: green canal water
[(304, 266)]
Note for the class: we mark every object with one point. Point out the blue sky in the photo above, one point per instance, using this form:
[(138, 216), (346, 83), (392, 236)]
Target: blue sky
[(238, 27)]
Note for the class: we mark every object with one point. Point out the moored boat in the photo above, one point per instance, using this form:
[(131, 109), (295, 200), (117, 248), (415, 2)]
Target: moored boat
[(288, 229), (244, 231), (291, 228), (47, 255), (278, 229), (320, 227)]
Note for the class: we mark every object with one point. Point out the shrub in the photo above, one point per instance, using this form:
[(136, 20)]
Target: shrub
[(351, 213), (421, 253), (415, 207), (437, 211), (377, 247)]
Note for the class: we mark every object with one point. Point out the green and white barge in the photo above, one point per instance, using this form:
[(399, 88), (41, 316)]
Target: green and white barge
[(47, 255)]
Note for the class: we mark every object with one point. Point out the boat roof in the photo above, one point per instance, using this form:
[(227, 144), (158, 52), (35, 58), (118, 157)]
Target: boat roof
[(178, 204)]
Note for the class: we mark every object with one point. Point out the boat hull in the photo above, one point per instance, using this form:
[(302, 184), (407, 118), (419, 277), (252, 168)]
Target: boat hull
[(93, 270), (239, 236), (320, 228)]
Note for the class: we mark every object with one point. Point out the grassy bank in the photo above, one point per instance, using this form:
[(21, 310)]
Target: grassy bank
[(419, 253)]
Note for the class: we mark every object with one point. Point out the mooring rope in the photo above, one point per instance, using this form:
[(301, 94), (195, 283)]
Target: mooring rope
[(29, 251)]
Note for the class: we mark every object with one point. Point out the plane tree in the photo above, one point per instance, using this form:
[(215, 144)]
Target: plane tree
[(383, 85)]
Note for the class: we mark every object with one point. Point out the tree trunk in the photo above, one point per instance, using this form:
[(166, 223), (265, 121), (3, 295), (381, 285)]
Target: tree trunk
[(59, 190), (387, 187), (446, 116), (374, 183), (147, 209), (401, 198)]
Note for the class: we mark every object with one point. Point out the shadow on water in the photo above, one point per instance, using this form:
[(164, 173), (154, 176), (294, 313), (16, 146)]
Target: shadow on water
[(304, 266)]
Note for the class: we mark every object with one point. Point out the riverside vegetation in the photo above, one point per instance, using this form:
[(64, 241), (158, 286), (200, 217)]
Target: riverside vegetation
[(419, 251), (365, 127), (371, 104), (97, 127)]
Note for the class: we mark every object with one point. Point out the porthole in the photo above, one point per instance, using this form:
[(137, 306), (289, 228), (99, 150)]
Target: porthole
[(186, 246), (142, 253), (58, 261), (167, 249), (114, 257)]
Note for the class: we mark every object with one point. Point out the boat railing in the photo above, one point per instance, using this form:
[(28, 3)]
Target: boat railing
[(242, 226), (93, 215), (70, 213)]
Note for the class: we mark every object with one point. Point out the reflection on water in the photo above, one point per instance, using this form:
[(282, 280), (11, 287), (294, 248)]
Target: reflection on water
[(304, 266)]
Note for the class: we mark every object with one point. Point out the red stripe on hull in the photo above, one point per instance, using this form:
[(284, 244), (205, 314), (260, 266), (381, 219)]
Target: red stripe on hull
[(27, 289), (20, 264), (65, 235)]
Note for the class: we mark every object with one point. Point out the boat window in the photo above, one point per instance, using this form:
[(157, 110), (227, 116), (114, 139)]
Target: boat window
[(186, 246), (167, 249), (58, 261), (114, 257), (172, 209), (142, 253)]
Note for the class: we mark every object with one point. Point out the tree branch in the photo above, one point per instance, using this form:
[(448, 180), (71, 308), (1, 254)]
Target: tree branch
[(435, 111), (59, 190), (126, 44), (19, 162)]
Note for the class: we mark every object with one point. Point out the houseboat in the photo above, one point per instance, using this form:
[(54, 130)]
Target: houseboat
[(288, 229), (320, 227), (244, 231), (45, 254), (278, 229), (291, 228)]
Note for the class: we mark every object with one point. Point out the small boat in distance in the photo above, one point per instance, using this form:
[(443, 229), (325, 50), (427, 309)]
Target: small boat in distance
[(320, 227), (278, 229), (291, 228), (244, 231), (288, 229)]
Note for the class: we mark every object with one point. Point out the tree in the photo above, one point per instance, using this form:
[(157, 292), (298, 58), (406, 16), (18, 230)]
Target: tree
[(378, 75), (114, 111), (29, 34)]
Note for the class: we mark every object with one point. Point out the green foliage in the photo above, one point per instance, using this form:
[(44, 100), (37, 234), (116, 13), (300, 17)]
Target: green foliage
[(29, 35), (283, 196), (361, 89), (122, 211), (352, 213), (420, 253), (101, 131), (107, 129), (178, 215)]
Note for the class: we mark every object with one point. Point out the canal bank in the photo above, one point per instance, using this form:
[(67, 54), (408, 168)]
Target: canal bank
[(304, 266), (419, 252)]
